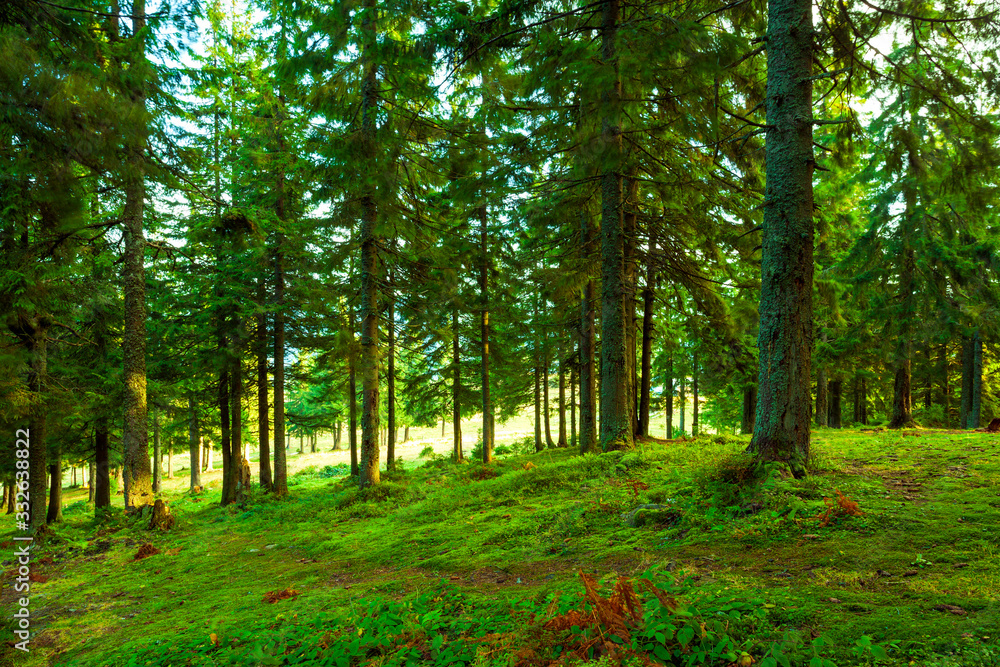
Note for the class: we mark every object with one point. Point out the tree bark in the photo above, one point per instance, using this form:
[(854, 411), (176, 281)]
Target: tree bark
[(975, 405), (225, 432), (352, 388), (562, 405), (280, 485), (683, 406), (588, 336), (484, 332), (669, 391), (456, 389), (822, 407), (629, 228), (694, 395), (37, 450), (617, 426), (902, 401), (967, 366), (749, 409), (648, 296), (546, 411), (263, 425), (945, 384), (91, 474), (369, 468), (833, 418), (135, 438), (864, 401), (390, 378), (54, 513), (781, 431), (539, 444), (194, 443), (572, 407), (156, 451)]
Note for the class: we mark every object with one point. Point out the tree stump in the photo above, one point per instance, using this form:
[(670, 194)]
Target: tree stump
[(994, 426), (161, 517)]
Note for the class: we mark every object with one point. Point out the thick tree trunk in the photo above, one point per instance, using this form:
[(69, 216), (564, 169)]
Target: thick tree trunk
[(902, 407), (135, 439), (833, 418), (194, 443), (456, 389), (749, 409), (369, 465), (280, 485), (157, 468), (263, 425), (781, 431), (562, 405), (822, 407), (91, 474), (967, 364), (648, 296), (484, 333), (390, 379), (617, 426)]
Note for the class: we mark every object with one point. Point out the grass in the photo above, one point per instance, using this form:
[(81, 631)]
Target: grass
[(476, 560)]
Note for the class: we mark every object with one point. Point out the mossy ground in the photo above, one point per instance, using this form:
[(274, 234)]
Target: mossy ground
[(929, 536)]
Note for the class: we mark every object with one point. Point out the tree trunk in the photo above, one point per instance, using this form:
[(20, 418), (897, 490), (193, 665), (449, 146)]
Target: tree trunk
[(694, 395), (157, 454), (781, 429), (539, 445), (369, 469), (976, 402), (648, 296), (833, 419), (683, 406), (352, 388), (54, 514), (572, 407), (263, 426), (91, 474), (406, 433), (669, 391), (546, 411), (864, 401), (456, 389), (945, 384), (37, 450), (902, 402), (194, 443), (208, 456), (588, 386), (749, 409), (630, 233), (170, 462), (822, 407), (302, 449), (856, 400), (484, 333), (562, 405), (617, 426), (280, 485), (390, 378), (225, 430)]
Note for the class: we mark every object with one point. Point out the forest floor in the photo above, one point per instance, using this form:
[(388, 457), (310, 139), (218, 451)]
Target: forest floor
[(461, 564)]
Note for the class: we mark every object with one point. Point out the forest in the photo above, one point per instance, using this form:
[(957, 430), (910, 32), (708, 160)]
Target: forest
[(507, 332)]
